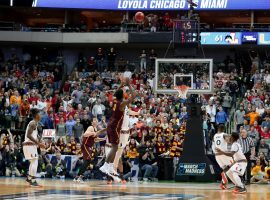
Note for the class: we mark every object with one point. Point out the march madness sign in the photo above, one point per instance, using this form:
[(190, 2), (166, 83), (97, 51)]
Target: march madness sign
[(191, 169)]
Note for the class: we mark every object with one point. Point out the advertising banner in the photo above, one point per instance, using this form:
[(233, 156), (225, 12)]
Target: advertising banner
[(155, 4), (48, 133), (190, 169), (249, 38), (221, 38), (264, 38)]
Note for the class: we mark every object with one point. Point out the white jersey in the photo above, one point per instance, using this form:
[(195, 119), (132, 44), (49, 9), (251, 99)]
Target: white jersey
[(34, 134), (125, 124), (219, 142), (239, 155)]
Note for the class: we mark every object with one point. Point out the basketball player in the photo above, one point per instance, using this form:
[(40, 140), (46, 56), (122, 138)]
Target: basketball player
[(123, 141), (30, 146), (219, 142), (90, 137), (115, 125), (239, 166)]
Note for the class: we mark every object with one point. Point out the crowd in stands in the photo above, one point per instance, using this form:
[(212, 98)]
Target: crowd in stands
[(157, 132), (253, 117)]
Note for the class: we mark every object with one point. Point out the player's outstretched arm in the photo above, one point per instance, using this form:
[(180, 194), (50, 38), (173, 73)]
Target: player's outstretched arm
[(101, 131), (131, 99), (91, 132)]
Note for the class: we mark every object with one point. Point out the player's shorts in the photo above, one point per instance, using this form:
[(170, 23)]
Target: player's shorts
[(113, 134), (30, 151), (87, 152), (239, 168), (224, 161)]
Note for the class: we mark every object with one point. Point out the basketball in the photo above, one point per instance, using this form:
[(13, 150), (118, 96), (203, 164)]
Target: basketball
[(139, 17)]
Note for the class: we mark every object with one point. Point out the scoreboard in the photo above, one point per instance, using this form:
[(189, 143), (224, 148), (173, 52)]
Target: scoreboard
[(186, 31)]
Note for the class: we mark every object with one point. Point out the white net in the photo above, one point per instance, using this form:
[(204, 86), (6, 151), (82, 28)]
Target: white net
[(182, 90)]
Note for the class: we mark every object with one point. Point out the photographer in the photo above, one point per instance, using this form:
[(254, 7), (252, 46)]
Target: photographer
[(59, 166), (44, 164), (148, 163), (10, 156)]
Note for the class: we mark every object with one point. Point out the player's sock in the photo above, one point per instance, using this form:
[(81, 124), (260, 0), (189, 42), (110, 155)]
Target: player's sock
[(33, 168), (105, 168), (224, 178), (111, 169), (117, 157), (230, 175), (237, 179)]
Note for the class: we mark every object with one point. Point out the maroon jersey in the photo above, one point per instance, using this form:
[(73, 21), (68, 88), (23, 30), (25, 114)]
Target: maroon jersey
[(117, 114), (87, 147), (115, 123), (88, 141)]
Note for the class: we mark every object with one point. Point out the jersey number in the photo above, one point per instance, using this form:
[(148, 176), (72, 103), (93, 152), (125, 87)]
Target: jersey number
[(218, 142)]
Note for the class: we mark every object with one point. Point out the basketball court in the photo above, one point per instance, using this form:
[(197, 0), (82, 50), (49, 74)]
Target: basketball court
[(57, 189)]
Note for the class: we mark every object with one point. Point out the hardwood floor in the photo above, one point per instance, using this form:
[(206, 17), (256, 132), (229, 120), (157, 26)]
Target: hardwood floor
[(16, 188)]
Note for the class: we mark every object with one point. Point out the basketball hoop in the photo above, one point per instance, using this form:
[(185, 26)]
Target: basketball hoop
[(182, 90)]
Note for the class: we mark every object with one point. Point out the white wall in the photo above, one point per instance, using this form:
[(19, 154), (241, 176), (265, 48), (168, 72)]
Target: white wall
[(52, 37)]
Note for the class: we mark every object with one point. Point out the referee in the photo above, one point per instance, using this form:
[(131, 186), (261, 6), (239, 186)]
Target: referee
[(248, 147)]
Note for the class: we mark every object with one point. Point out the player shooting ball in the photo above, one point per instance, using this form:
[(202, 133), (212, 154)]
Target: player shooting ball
[(115, 125)]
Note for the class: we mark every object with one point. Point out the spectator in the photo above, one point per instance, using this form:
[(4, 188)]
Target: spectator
[(24, 113), (266, 122), (253, 133), (253, 116), (257, 173), (143, 57), (86, 122), (98, 110), (211, 110), (148, 164), (221, 116), (246, 125), (264, 148), (71, 146), (15, 98), (239, 117), (77, 93), (84, 99), (160, 146), (176, 147), (78, 130), (61, 144), (69, 126), (10, 157), (100, 58), (44, 164), (111, 57), (227, 101), (59, 167), (61, 129), (265, 134)]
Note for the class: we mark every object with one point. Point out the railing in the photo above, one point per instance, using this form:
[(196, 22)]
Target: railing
[(126, 27)]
